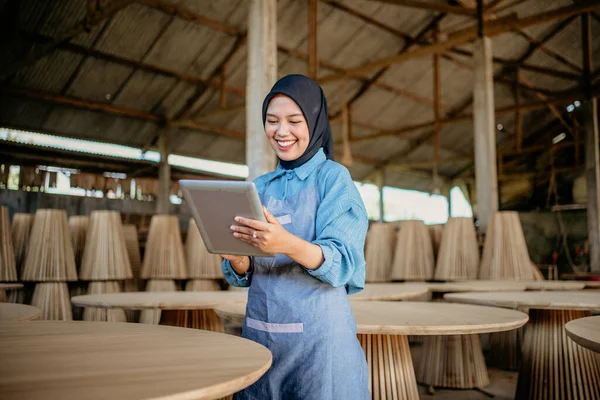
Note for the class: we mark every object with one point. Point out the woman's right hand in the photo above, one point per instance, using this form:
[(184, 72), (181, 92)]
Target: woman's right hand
[(241, 264)]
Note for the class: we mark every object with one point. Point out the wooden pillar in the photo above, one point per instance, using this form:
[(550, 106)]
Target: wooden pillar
[(380, 182), (518, 119), (484, 126), (164, 173), (313, 62), (437, 110), (262, 74), (589, 110)]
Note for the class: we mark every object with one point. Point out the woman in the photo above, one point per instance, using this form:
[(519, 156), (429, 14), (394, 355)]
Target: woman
[(316, 224)]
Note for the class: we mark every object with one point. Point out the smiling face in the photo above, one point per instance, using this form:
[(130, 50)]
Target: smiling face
[(286, 128)]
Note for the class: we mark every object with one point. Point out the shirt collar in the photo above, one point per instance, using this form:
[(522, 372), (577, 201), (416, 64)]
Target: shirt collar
[(305, 169)]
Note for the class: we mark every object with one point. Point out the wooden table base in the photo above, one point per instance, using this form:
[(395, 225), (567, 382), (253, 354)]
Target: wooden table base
[(391, 372), (506, 349), (452, 361), (555, 367), (198, 319)]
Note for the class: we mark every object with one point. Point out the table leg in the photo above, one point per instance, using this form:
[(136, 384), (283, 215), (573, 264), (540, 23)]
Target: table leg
[(198, 319), (555, 367), (452, 361), (391, 372), (505, 349)]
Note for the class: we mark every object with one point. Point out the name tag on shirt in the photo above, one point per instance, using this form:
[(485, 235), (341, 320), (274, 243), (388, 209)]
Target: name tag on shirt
[(284, 219)]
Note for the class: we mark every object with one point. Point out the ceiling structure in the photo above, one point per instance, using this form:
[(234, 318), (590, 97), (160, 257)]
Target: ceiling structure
[(122, 71)]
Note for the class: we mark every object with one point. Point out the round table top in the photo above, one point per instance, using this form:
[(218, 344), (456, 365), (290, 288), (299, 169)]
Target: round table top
[(414, 318), (61, 360), (552, 300), (19, 312), (160, 300), (585, 332), (502, 286), (10, 286), (391, 291)]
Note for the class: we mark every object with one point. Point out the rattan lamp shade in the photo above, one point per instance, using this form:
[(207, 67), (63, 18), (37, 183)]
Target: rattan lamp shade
[(50, 256), (78, 225), (21, 230), (201, 264), (157, 285), (413, 257), (436, 232), (53, 299), (505, 254), (164, 257), (133, 249), (104, 314), (458, 258), (105, 256), (379, 251), (8, 267)]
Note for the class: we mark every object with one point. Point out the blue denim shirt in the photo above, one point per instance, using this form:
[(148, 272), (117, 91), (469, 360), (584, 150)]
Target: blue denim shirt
[(341, 221)]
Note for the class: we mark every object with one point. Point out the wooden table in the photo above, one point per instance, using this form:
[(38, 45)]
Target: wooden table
[(383, 329), (585, 332), (101, 360), (19, 312), (553, 366), (390, 291), (8, 286), (186, 309), (502, 286)]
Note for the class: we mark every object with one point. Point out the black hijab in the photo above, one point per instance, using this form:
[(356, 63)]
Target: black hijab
[(310, 98)]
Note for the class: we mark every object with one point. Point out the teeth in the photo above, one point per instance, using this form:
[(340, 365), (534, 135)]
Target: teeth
[(286, 143)]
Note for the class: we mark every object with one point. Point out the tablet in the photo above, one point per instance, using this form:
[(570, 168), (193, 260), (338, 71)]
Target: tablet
[(214, 205)]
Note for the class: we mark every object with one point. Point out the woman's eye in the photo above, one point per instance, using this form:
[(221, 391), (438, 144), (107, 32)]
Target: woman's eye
[(271, 121), (294, 122)]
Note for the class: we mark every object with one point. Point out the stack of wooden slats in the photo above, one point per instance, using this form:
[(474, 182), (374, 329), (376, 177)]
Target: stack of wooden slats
[(50, 261), (458, 258), (379, 251), (105, 261), (413, 257), (505, 254), (78, 224), (164, 259), (204, 268), (21, 230), (8, 267)]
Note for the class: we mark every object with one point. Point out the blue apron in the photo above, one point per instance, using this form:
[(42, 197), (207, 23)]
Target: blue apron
[(307, 325)]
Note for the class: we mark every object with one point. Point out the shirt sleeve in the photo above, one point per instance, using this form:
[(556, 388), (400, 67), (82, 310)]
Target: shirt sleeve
[(341, 228), (233, 278)]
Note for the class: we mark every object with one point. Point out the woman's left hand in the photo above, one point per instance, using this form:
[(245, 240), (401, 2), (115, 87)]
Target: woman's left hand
[(270, 237)]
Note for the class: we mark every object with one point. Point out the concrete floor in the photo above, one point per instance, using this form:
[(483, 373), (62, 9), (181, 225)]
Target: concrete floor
[(502, 386)]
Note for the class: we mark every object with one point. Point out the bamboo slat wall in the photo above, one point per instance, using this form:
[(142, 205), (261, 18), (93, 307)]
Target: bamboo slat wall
[(8, 267), (50, 256), (458, 258), (413, 257), (201, 264), (379, 251), (505, 254), (21, 230), (105, 256), (164, 257), (78, 225)]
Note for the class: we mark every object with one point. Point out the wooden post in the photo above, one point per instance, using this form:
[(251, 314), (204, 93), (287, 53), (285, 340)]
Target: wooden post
[(484, 127), (222, 91), (262, 74), (380, 182), (313, 61), (518, 119), (164, 173), (592, 145), (437, 110)]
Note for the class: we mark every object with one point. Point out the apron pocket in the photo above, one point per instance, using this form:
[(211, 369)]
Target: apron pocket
[(274, 328)]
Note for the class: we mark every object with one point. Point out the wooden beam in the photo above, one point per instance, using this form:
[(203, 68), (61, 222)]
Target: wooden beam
[(518, 119), (549, 51), (438, 7), (437, 109), (313, 63), (89, 22), (493, 28)]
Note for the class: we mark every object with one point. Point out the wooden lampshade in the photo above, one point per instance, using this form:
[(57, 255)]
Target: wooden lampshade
[(50, 256), (53, 299), (104, 314), (8, 267), (436, 232), (458, 258), (505, 254), (379, 251), (21, 230), (105, 255), (202, 285), (413, 257), (133, 249), (164, 257), (78, 225), (201, 264)]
